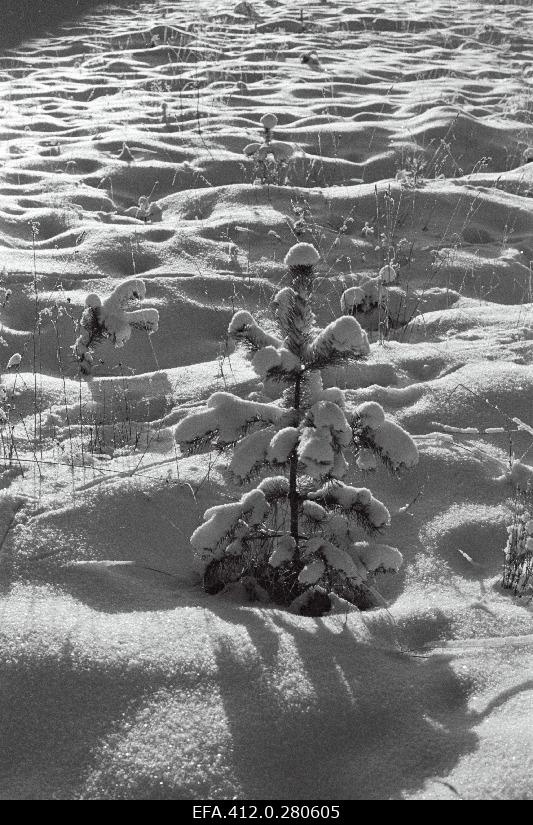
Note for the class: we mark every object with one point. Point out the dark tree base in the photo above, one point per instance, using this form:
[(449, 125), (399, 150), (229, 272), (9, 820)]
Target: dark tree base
[(282, 585)]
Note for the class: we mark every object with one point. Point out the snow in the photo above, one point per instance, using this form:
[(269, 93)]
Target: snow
[(120, 677), (251, 453), (377, 513), (270, 358), (320, 446), (328, 415), (221, 520), (279, 149), (352, 298), (111, 319), (340, 465), (283, 551), (334, 557), (333, 394), (361, 298), (314, 511), (378, 556), (394, 442), (339, 560), (226, 415), (344, 496), (390, 440), (269, 121), (366, 460), (244, 326), (315, 452), (350, 498), (302, 254), (234, 548), (266, 359), (289, 362), (251, 148), (274, 487), (14, 361), (344, 335), (371, 414), (312, 572), (282, 445)]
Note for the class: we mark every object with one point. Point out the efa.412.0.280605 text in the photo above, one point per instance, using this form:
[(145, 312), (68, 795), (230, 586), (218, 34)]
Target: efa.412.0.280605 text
[(278, 810)]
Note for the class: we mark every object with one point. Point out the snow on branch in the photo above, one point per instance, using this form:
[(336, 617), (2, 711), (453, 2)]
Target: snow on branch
[(274, 488), (228, 520), (250, 454), (341, 339), (395, 446), (365, 557), (378, 557), (362, 298), (273, 364), (328, 415), (243, 327), (315, 452), (226, 417), (373, 433), (282, 445), (356, 502), (322, 550), (283, 550), (280, 150), (321, 442), (301, 254)]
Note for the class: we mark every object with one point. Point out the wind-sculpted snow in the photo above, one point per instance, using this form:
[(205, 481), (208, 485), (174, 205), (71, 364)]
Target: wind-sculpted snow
[(401, 149), (401, 88)]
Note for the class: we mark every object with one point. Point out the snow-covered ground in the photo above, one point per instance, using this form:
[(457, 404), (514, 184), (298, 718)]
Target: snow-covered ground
[(119, 676)]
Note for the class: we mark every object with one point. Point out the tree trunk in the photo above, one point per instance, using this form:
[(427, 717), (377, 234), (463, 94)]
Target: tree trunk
[(293, 476)]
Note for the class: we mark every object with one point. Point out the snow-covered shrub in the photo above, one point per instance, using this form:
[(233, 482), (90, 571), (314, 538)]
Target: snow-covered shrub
[(518, 552), (297, 534), (146, 210), (271, 157), (410, 175), (112, 319), (366, 297), (377, 303), (311, 59)]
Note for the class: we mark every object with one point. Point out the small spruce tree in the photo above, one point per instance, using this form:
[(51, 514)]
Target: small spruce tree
[(112, 319), (271, 157), (296, 534)]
